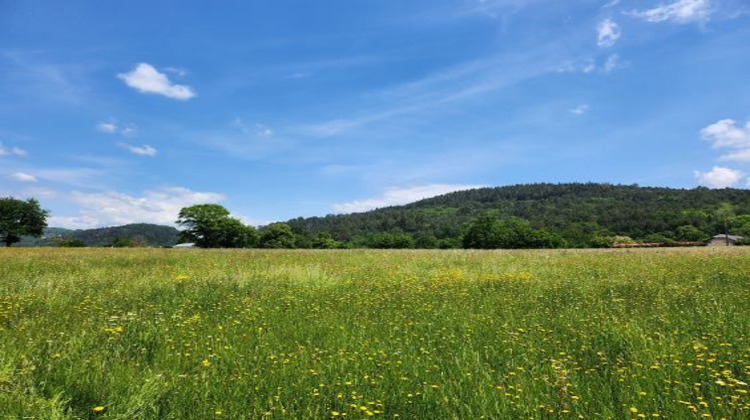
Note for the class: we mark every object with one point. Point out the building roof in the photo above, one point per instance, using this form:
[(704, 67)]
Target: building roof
[(185, 245), (731, 237)]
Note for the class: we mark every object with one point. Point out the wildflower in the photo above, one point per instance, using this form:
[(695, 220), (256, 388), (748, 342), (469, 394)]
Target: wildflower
[(206, 363), (98, 409)]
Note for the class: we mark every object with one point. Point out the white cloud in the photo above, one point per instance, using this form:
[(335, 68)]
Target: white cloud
[(680, 11), (106, 127), (259, 130), (37, 192), (176, 71), (580, 109), (263, 131), (737, 156), (609, 32), (129, 130), (12, 151), (77, 177), (110, 208), (612, 63), (719, 177), (397, 196), (23, 177), (144, 150), (146, 79), (589, 66), (113, 127), (727, 133)]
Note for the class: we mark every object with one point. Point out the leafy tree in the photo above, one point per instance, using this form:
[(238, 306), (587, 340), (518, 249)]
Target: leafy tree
[(724, 213), (690, 233), (209, 226), (388, 240), (426, 241), (484, 232), (68, 243), (602, 241), (235, 234), (325, 241), (277, 235), (544, 239), (20, 218), (488, 231), (657, 238)]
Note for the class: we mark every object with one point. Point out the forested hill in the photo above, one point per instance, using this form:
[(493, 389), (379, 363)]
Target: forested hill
[(137, 234), (574, 211)]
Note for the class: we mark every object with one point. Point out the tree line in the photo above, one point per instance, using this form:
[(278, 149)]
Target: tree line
[(520, 216)]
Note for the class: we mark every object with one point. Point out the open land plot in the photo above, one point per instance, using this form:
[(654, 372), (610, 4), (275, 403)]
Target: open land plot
[(152, 333)]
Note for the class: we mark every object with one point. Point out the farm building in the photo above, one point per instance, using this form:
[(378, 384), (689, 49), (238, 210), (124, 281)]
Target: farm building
[(724, 240), (186, 245)]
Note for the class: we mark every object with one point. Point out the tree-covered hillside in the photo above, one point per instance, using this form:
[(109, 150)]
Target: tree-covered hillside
[(576, 212), (137, 234)]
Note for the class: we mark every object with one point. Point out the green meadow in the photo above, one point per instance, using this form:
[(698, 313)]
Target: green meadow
[(226, 334)]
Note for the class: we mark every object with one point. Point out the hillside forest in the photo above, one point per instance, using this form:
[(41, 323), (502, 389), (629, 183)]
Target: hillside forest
[(574, 215)]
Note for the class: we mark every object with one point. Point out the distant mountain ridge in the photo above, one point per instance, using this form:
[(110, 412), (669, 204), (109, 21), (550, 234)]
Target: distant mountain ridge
[(140, 233), (572, 210)]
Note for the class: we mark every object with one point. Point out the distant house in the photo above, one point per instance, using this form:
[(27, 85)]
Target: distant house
[(724, 240), (185, 245)]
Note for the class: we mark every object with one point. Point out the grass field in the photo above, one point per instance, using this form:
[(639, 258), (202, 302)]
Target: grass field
[(129, 334)]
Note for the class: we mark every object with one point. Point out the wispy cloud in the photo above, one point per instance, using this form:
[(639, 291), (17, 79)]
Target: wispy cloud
[(146, 79), (144, 150), (737, 156), (35, 79), (591, 65), (75, 177), (160, 206), (608, 33), (729, 134), (719, 177), (580, 109), (612, 63), (106, 127), (680, 11), (112, 126), (452, 85), (397, 196), (23, 177), (259, 130), (12, 151)]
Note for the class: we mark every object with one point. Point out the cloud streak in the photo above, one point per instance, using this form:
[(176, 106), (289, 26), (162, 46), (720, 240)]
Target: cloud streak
[(114, 208), (608, 33), (397, 196), (680, 11), (144, 150), (23, 177), (146, 79), (12, 151), (719, 177)]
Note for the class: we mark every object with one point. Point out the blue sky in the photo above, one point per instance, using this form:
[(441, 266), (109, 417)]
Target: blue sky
[(120, 112)]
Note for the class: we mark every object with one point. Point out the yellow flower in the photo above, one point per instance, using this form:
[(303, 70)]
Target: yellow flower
[(206, 363), (99, 409), (633, 410)]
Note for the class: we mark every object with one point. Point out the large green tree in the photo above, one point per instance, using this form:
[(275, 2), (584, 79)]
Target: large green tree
[(489, 231), (277, 235), (20, 218), (209, 226)]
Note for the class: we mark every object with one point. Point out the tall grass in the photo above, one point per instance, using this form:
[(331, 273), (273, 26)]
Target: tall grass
[(143, 334)]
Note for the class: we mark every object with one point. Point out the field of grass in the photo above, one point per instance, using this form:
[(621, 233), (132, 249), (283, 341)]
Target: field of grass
[(202, 334)]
